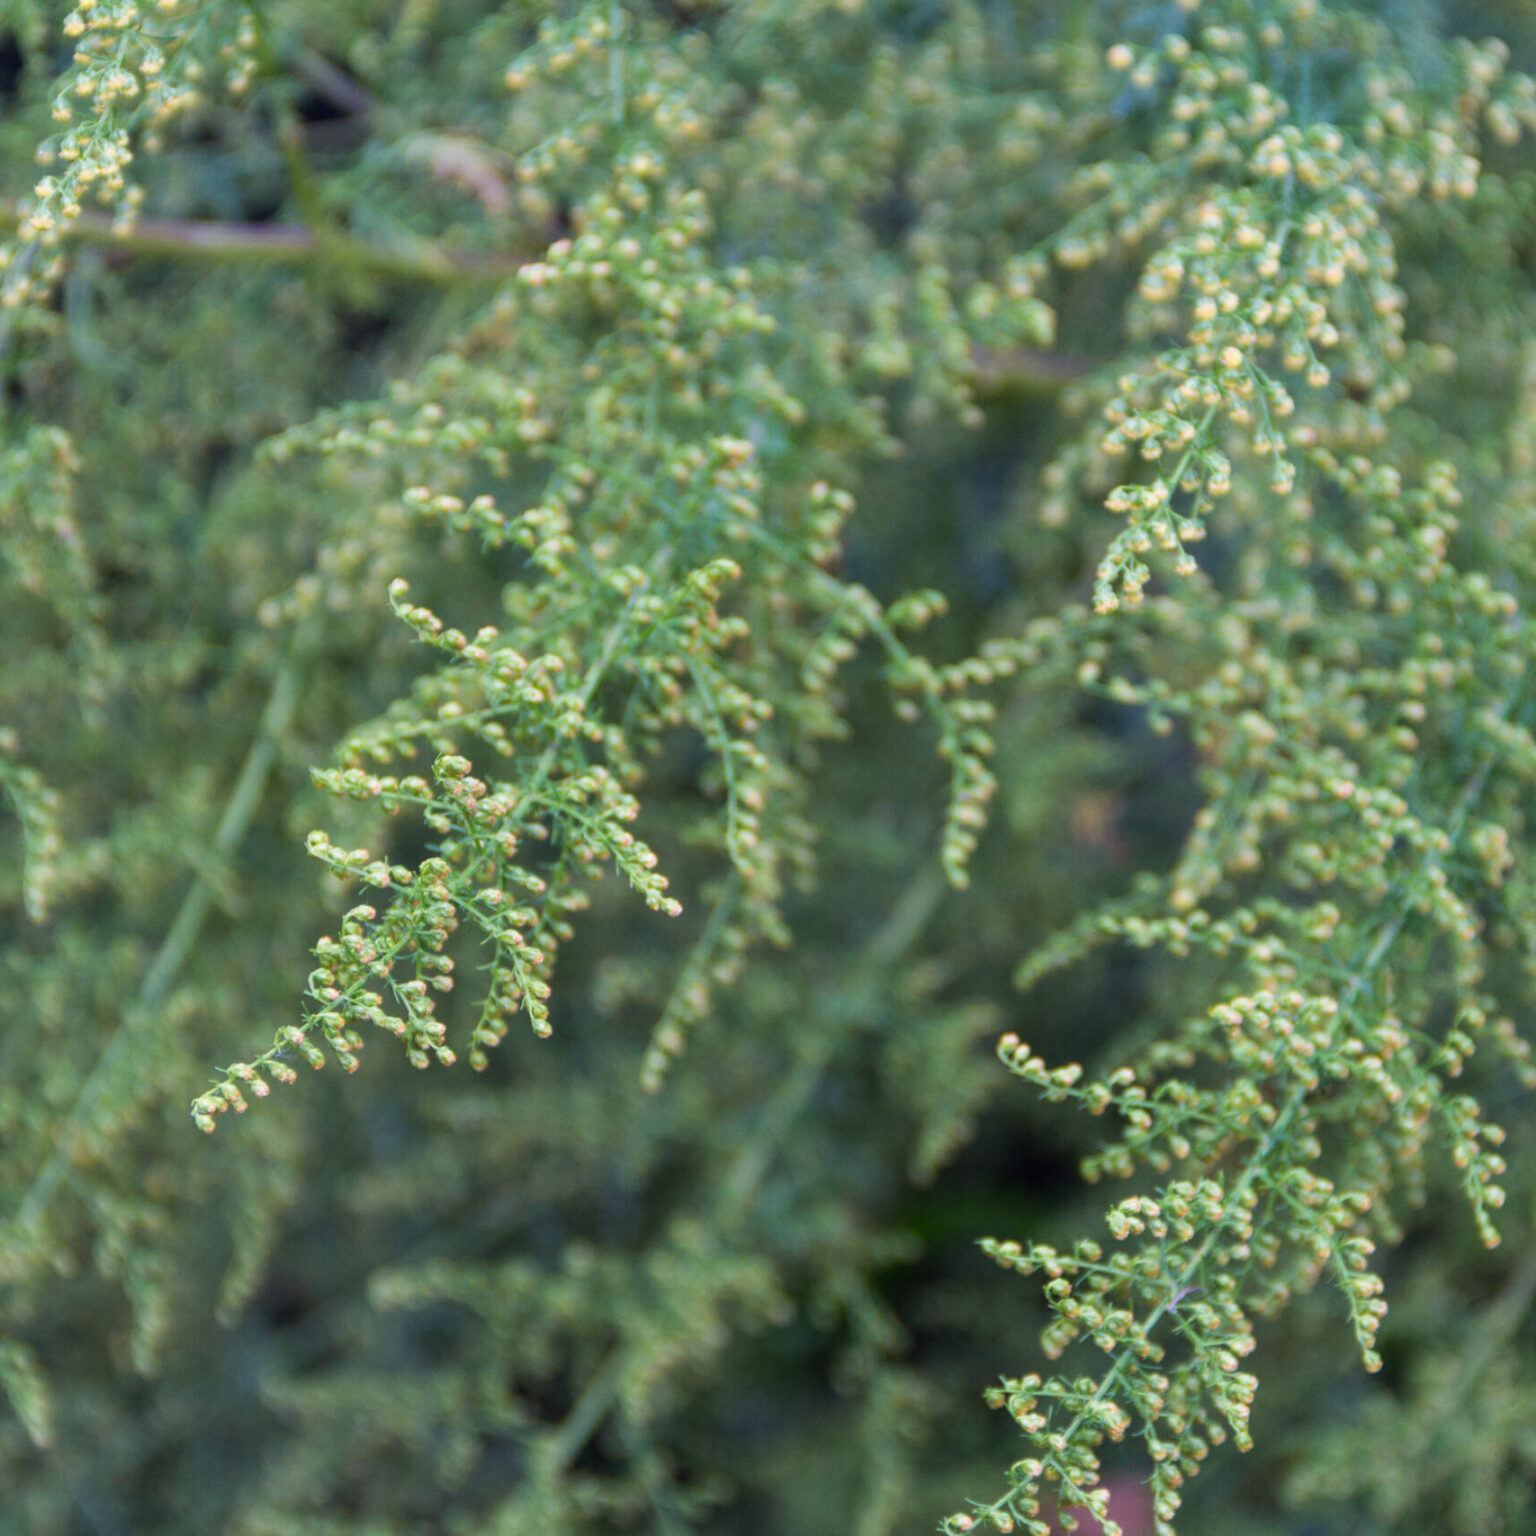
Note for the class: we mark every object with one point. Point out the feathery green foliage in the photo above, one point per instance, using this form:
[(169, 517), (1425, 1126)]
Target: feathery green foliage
[(631, 490)]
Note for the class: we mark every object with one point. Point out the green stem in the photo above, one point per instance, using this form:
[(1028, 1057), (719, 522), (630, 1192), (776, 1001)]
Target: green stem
[(294, 244), (143, 1012)]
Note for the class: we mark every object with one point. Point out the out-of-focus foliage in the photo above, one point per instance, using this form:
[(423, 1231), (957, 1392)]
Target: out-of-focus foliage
[(724, 566)]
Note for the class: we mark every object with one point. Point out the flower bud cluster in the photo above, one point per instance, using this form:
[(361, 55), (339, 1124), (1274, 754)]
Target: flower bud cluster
[(1263, 278), (1317, 779), (126, 70)]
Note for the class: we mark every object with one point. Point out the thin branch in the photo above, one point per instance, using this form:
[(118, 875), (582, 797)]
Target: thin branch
[(1027, 370), (329, 81), (422, 261), (297, 244), (179, 940)]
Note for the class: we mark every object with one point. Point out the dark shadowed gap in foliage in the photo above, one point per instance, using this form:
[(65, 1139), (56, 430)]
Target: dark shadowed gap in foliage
[(319, 105), (689, 15), (335, 111), (1009, 1171), (12, 65), (892, 215), (1160, 791), (987, 482), (215, 455), (429, 1335), (280, 1303), (244, 182), (363, 329)]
